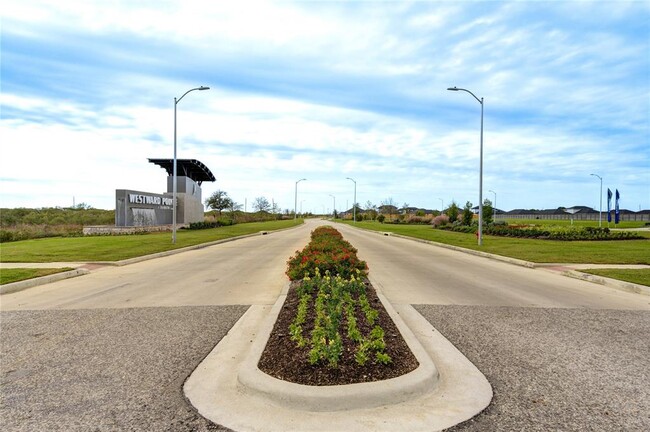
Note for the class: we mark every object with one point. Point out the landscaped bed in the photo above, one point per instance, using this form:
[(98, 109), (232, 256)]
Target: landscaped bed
[(332, 328)]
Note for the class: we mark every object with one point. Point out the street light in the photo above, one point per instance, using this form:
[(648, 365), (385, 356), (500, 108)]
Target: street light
[(354, 205), (600, 212), (334, 211), (480, 187), (295, 200), (494, 207), (442, 205), (174, 187)]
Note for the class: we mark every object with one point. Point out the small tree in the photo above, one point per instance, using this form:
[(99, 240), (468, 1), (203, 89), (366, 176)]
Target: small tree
[(371, 210), (219, 200), (261, 204), (467, 214), (389, 205), (487, 211), (452, 212), (232, 208)]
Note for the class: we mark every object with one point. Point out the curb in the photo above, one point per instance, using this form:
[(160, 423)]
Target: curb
[(187, 248), (609, 282), (502, 258), (600, 280), (416, 383), (30, 283), (217, 394)]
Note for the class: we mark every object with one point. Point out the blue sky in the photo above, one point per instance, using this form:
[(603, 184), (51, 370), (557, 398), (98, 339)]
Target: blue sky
[(325, 91)]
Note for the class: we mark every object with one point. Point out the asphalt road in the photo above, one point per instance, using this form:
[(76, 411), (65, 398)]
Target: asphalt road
[(110, 350), (410, 272), (246, 271)]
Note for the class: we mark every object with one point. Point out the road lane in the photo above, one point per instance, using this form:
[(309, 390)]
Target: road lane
[(410, 272), (246, 271)]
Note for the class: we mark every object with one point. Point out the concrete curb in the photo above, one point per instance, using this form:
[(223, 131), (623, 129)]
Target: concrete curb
[(30, 283), (215, 391), (502, 258), (188, 248), (342, 397), (609, 282)]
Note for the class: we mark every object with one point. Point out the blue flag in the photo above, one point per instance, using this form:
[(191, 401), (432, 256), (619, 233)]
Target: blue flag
[(617, 214), (609, 205)]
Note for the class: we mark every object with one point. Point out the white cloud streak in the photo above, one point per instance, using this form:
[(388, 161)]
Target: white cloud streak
[(325, 91)]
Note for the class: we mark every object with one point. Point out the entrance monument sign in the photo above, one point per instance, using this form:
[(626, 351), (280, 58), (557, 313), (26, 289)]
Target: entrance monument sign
[(136, 208)]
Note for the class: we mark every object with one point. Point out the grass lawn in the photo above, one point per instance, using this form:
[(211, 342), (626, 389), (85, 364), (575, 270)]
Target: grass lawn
[(539, 251), (10, 275), (116, 248), (637, 276)]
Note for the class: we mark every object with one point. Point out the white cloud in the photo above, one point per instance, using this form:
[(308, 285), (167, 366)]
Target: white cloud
[(324, 91)]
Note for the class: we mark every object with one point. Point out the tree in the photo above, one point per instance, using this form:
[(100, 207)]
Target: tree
[(371, 210), (389, 205), (405, 207), (467, 214), (452, 212), (487, 211), (261, 204), (219, 200)]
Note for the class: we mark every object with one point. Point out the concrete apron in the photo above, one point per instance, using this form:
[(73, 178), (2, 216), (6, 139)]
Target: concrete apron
[(228, 388)]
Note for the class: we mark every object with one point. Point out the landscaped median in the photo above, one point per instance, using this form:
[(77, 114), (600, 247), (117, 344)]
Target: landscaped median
[(333, 344), (339, 331)]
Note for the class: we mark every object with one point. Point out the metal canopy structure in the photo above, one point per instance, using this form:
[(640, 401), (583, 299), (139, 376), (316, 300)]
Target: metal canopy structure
[(191, 168)]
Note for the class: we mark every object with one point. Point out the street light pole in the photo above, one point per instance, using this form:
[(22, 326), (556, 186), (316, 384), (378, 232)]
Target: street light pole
[(295, 200), (442, 205), (334, 210), (354, 205), (174, 187), (600, 212), (480, 187), (494, 207)]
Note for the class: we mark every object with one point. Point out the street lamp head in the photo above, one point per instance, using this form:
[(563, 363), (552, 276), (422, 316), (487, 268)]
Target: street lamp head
[(204, 88), (453, 88)]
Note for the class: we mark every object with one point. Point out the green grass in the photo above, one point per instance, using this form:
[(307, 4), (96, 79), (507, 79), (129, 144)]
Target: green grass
[(539, 251), (637, 276), (10, 275), (116, 248)]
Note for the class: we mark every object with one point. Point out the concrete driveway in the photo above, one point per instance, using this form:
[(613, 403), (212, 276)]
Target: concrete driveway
[(110, 350)]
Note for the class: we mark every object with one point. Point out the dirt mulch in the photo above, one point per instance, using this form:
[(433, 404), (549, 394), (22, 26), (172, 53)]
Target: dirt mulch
[(284, 360)]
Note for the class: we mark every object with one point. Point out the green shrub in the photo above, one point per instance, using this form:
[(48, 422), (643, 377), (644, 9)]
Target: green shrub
[(328, 252)]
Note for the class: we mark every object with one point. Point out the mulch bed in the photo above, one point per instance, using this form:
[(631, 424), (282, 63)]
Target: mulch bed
[(284, 360)]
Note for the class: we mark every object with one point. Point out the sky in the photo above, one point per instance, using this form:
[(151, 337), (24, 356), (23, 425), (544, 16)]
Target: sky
[(325, 90)]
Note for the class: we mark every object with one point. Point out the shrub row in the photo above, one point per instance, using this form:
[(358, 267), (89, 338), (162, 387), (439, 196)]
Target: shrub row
[(562, 234), (209, 224), (328, 252), (585, 234)]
